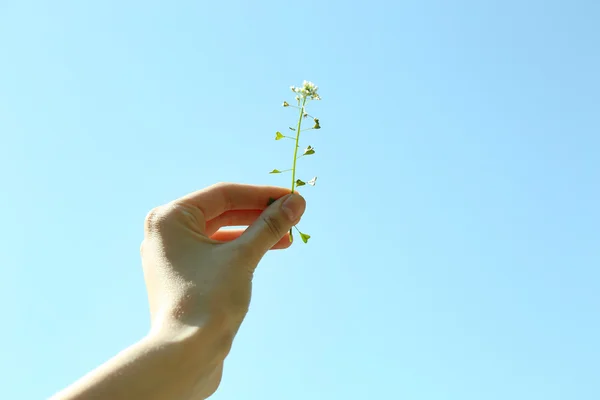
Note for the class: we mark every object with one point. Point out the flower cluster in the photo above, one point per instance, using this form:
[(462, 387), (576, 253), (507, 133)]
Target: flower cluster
[(307, 91)]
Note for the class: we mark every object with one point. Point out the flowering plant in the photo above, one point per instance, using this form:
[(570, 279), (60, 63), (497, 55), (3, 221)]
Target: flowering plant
[(304, 94)]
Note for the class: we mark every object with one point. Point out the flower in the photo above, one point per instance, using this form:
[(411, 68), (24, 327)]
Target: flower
[(307, 91), (286, 104)]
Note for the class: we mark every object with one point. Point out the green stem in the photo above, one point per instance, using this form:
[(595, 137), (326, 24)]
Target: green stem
[(296, 147)]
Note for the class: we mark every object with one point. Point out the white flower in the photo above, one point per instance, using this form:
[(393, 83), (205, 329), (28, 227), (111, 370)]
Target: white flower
[(309, 86), (308, 90), (313, 181)]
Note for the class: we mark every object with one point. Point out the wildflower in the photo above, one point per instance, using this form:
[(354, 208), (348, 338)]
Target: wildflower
[(307, 91)]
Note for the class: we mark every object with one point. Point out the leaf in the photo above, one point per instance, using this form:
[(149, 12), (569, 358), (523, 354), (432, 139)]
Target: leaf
[(279, 135), (308, 151), (275, 171), (313, 181), (271, 201), (300, 182), (317, 126), (304, 237)]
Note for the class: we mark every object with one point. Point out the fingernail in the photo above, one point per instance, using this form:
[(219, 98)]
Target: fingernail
[(293, 207)]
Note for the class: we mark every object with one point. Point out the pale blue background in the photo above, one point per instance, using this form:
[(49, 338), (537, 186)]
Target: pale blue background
[(456, 245)]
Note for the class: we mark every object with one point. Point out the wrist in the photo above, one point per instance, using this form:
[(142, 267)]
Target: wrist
[(205, 337), (195, 358)]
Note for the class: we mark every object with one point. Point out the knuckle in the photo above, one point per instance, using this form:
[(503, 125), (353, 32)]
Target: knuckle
[(160, 218), (152, 218), (185, 212), (214, 381), (225, 344), (221, 346), (155, 219), (220, 185), (273, 225)]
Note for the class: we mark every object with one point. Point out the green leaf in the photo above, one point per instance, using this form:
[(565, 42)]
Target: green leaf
[(317, 126), (275, 171), (291, 236), (300, 182), (313, 181), (279, 135), (308, 151), (304, 237), (271, 201)]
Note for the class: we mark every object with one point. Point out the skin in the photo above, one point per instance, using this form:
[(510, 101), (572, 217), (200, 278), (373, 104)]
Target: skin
[(199, 283)]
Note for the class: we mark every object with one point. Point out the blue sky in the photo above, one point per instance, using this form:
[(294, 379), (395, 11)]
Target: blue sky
[(455, 246)]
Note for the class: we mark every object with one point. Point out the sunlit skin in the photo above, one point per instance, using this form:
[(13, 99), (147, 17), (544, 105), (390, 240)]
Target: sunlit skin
[(199, 282)]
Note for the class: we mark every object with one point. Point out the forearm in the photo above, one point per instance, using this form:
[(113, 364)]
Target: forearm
[(157, 367)]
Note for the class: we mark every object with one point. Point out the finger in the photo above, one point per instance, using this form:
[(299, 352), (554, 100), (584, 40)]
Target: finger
[(232, 218), (216, 199), (273, 224), (232, 234)]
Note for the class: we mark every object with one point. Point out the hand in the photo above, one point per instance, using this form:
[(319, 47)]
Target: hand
[(199, 281), (199, 277)]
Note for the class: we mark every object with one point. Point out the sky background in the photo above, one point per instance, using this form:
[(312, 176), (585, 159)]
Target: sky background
[(455, 249)]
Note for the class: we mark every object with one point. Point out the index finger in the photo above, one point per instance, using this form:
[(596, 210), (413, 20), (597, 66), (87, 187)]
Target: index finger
[(221, 197)]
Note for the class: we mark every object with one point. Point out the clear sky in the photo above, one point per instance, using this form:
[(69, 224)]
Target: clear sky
[(455, 249)]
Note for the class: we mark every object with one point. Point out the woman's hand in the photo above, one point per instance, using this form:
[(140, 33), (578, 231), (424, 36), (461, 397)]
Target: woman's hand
[(200, 276), (199, 281)]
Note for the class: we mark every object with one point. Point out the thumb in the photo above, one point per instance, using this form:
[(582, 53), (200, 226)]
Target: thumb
[(274, 223)]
